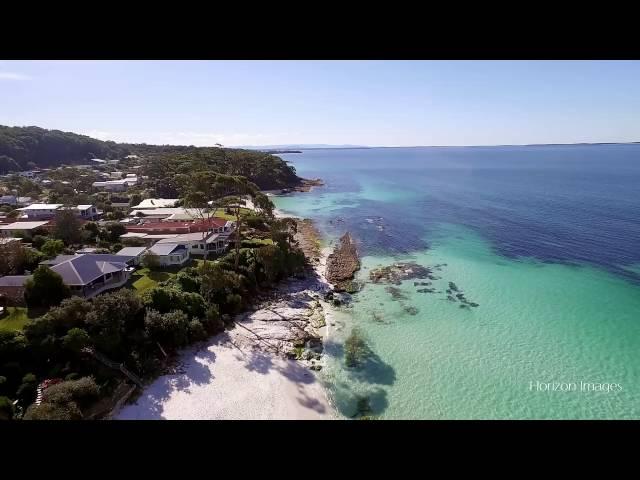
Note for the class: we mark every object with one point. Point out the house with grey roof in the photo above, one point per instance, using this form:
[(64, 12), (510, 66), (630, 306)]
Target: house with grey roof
[(170, 254), (134, 252), (89, 274), (199, 242), (20, 229), (86, 275)]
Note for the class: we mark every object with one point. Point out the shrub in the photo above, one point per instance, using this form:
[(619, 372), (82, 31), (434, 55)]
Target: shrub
[(62, 401), (212, 321), (53, 411), (80, 391), (6, 409), (188, 281), (38, 241), (197, 332), (26, 392)]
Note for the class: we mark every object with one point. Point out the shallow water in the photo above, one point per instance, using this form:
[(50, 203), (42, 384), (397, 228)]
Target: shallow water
[(545, 239)]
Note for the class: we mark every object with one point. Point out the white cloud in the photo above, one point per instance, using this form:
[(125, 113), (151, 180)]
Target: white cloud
[(13, 76)]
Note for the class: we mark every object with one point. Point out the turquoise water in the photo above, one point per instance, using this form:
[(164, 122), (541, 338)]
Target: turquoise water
[(549, 252)]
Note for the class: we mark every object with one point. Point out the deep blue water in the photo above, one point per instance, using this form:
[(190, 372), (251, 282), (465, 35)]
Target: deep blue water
[(572, 204)]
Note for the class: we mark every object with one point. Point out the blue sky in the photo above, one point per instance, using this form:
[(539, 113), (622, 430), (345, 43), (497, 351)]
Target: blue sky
[(386, 103)]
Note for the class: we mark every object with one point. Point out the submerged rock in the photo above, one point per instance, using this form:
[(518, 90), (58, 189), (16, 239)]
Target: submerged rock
[(343, 263), (396, 293), (411, 310), (400, 271)]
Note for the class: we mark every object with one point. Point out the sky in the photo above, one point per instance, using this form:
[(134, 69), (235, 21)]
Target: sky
[(373, 103)]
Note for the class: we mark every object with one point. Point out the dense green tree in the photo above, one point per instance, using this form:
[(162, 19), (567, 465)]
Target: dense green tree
[(165, 299), (52, 247), (67, 226), (76, 339), (111, 316), (45, 288), (170, 329), (6, 408), (150, 260), (135, 199), (13, 258)]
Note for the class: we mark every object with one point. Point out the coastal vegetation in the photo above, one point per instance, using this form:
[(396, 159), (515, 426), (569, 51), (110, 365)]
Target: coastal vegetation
[(77, 343), (25, 148), (137, 327)]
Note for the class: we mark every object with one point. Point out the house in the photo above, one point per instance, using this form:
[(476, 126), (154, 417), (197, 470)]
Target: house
[(12, 287), (41, 210), (24, 201), (89, 274), (88, 212), (49, 210), (152, 203), (86, 275), (157, 213), (148, 239), (197, 244), (116, 185), (135, 252), (213, 225), (29, 173), (8, 240), (8, 200), (20, 229), (86, 250), (170, 254)]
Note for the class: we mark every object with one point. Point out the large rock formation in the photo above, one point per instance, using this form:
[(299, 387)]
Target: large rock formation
[(342, 264)]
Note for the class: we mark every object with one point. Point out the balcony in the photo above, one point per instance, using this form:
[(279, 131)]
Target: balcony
[(116, 281)]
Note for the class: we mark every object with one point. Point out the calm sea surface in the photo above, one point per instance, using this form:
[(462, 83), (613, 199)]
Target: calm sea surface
[(546, 239)]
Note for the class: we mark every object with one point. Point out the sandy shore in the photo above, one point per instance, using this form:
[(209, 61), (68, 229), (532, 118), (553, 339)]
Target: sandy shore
[(222, 382), (246, 372)]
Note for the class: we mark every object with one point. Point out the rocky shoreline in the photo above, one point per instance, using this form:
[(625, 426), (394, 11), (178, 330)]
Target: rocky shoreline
[(304, 185)]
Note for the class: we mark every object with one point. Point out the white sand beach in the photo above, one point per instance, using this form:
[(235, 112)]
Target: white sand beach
[(244, 373), (223, 382)]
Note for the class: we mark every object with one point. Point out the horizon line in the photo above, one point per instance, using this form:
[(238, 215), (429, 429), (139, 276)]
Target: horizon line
[(302, 146)]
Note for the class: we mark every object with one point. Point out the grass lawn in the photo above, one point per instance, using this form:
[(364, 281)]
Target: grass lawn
[(15, 320), (143, 279), (220, 213)]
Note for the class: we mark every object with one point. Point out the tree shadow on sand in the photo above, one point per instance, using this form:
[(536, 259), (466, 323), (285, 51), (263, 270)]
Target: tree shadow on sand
[(150, 405)]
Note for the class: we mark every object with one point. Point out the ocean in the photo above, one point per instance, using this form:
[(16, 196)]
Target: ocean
[(544, 239)]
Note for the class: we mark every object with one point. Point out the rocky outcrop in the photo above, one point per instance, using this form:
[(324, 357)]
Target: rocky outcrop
[(308, 239), (342, 265), (398, 272)]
